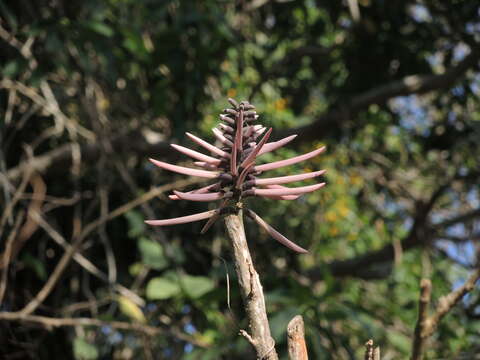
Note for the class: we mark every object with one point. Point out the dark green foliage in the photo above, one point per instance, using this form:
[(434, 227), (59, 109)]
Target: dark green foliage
[(129, 76)]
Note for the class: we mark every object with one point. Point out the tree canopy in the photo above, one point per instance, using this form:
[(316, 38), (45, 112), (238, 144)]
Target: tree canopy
[(91, 89)]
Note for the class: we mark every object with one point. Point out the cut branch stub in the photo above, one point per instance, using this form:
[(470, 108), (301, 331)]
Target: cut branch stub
[(297, 348)]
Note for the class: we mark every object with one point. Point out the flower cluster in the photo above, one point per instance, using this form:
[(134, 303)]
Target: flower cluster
[(234, 169)]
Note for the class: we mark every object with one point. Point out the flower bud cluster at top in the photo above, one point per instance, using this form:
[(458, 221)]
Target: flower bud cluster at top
[(233, 166)]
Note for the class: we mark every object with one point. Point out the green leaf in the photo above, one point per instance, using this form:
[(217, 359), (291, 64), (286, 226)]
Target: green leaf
[(196, 286), (152, 254), (398, 340), (130, 309), (161, 288), (136, 223), (279, 323), (10, 69), (82, 350), (177, 253), (134, 42), (100, 28), (36, 265), (136, 268)]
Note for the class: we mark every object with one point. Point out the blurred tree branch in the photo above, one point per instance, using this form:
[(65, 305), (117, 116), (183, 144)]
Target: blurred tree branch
[(60, 158), (358, 266), (51, 322), (134, 142), (427, 325), (413, 84)]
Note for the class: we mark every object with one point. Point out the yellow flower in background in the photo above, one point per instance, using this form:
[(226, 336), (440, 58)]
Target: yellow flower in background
[(356, 180), (331, 216), (343, 210), (338, 212), (231, 93), (280, 104), (334, 231), (352, 237), (341, 207)]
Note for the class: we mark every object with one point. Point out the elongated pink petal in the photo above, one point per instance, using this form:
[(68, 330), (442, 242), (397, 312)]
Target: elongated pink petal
[(185, 170), (233, 102), (251, 157), (280, 197), (243, 175), (218, 134), (206, 165), (209, 223), (208, 146), (201, 190), (182, 219), (276, 144), (283, 197), (195, 154), (231, 112), (284, 191), (287, 179), (259, 132), (205, 189), (238, 135), (248, 134), (235, 147), (294, 160), (275, 234), (227, 119), (226, 128), (200, 197)]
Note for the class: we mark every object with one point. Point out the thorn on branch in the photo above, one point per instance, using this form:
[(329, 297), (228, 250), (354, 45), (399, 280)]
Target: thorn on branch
[(247, 336)]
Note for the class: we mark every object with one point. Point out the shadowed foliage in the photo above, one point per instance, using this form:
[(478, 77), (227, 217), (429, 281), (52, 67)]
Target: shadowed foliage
[(89, 90)]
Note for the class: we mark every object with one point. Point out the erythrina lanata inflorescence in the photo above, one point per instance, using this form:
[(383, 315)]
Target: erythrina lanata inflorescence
[(234, 168)]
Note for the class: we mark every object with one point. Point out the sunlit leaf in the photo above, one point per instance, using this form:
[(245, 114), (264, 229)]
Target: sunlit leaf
[(135, 223), (152, 253), (161, 288), (82, 350), (130, 309), (196, 286)]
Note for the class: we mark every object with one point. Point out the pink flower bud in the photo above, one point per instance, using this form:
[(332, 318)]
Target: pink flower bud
[(235, 169)]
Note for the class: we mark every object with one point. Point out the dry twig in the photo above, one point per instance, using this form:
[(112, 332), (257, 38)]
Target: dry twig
[(251, 290), (50, 322), (427, 325), (7, 254), (422, 322)]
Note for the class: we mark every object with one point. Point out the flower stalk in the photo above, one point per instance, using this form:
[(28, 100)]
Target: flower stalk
[(251, 290), (233, 167)]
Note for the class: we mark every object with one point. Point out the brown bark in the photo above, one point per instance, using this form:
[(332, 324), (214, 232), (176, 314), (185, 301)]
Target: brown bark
[(251, 289), (422, 322), (297, 348)]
